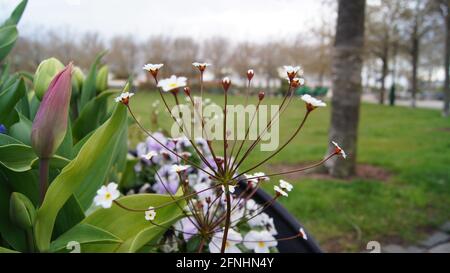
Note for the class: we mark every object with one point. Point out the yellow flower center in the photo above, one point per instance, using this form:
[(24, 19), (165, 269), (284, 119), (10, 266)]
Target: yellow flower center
[(173, 85), (261, 244), (108, 195)]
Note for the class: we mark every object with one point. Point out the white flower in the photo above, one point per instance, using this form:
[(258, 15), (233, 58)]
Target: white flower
[(150, 214), (106, 195), (292, 71), (303, 233), (231, 188), (124, 97), (150, 155), (263, 220), (179, 168), (260, 241), (152, 67), (172, 83), (233, 239), (313, 102), (251, 205), (285, 185), (201, 66), (339, 150), (280, 191), (261, 176)]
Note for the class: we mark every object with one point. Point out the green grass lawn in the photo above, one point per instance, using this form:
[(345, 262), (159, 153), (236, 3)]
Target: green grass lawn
[(413, 145)]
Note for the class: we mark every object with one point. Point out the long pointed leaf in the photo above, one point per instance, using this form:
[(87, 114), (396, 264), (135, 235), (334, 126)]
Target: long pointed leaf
[(87, 170)]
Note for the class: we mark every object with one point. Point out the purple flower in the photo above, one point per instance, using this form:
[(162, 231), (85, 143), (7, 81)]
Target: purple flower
[(50, 123), (186, 226), (2, 129), (166, 180), (153, 145)]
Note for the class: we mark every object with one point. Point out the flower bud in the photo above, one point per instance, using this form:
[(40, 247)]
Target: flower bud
[(50, 123), (226, 82), (21, 211), (261, 95), (45, 72), (187, 91), (78, 77), (250, 74), (102, 79)]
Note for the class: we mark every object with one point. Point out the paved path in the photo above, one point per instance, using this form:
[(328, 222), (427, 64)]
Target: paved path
[(436, 242), (430, 104)]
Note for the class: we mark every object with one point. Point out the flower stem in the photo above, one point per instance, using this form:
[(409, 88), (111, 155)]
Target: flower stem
[(43, 177), (30, 240), (227, 219)]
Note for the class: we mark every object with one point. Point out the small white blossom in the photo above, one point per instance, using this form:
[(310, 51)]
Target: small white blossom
[(124, 97), (150, 155), (231, 188), (201, 66), (285, 185), (233, 239), (172, 83), (313, 101), (150, 214), (280, 191), (152, 67), (292, 71), (259, 241), (339, 150), (106, 195), (261, 176), (179, 168)]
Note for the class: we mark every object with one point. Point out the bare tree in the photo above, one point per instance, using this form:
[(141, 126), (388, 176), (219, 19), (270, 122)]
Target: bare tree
[(346, 73), (217, 50), (123, 55), (382, 20)]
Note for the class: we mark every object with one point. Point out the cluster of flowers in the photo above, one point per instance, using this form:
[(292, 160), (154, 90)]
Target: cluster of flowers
[(220, 215)]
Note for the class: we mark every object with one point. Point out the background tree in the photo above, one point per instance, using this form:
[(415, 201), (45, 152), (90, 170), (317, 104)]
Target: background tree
[(346, 72), (381, 24), (123, 55)]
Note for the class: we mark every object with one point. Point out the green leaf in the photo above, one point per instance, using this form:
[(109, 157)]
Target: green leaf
[(131, 227), (83, 175), (92, 115), (8, 37), (14, 236), (9, 99), (5, 140), (83, 234), (21, 158), (70, 215), (7, 250), (89, 90), (21, 130), (15, 16)]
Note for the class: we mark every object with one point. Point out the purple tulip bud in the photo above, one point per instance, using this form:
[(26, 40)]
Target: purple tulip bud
[(50, 123)]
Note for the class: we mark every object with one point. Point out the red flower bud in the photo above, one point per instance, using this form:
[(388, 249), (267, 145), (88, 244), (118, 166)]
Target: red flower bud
[(50, 123), (226, 82), (250, 74), (187, 91), (261, 95)]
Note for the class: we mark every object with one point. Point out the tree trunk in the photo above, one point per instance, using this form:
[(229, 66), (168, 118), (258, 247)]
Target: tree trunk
[(384, 68), (346, 71), (446, 110), (384, 72), (414, 63)]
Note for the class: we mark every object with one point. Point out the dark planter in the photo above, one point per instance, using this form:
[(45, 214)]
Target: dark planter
[(286, 225)]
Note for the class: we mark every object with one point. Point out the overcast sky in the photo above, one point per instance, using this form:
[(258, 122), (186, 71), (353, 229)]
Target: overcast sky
[(237, 19)]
